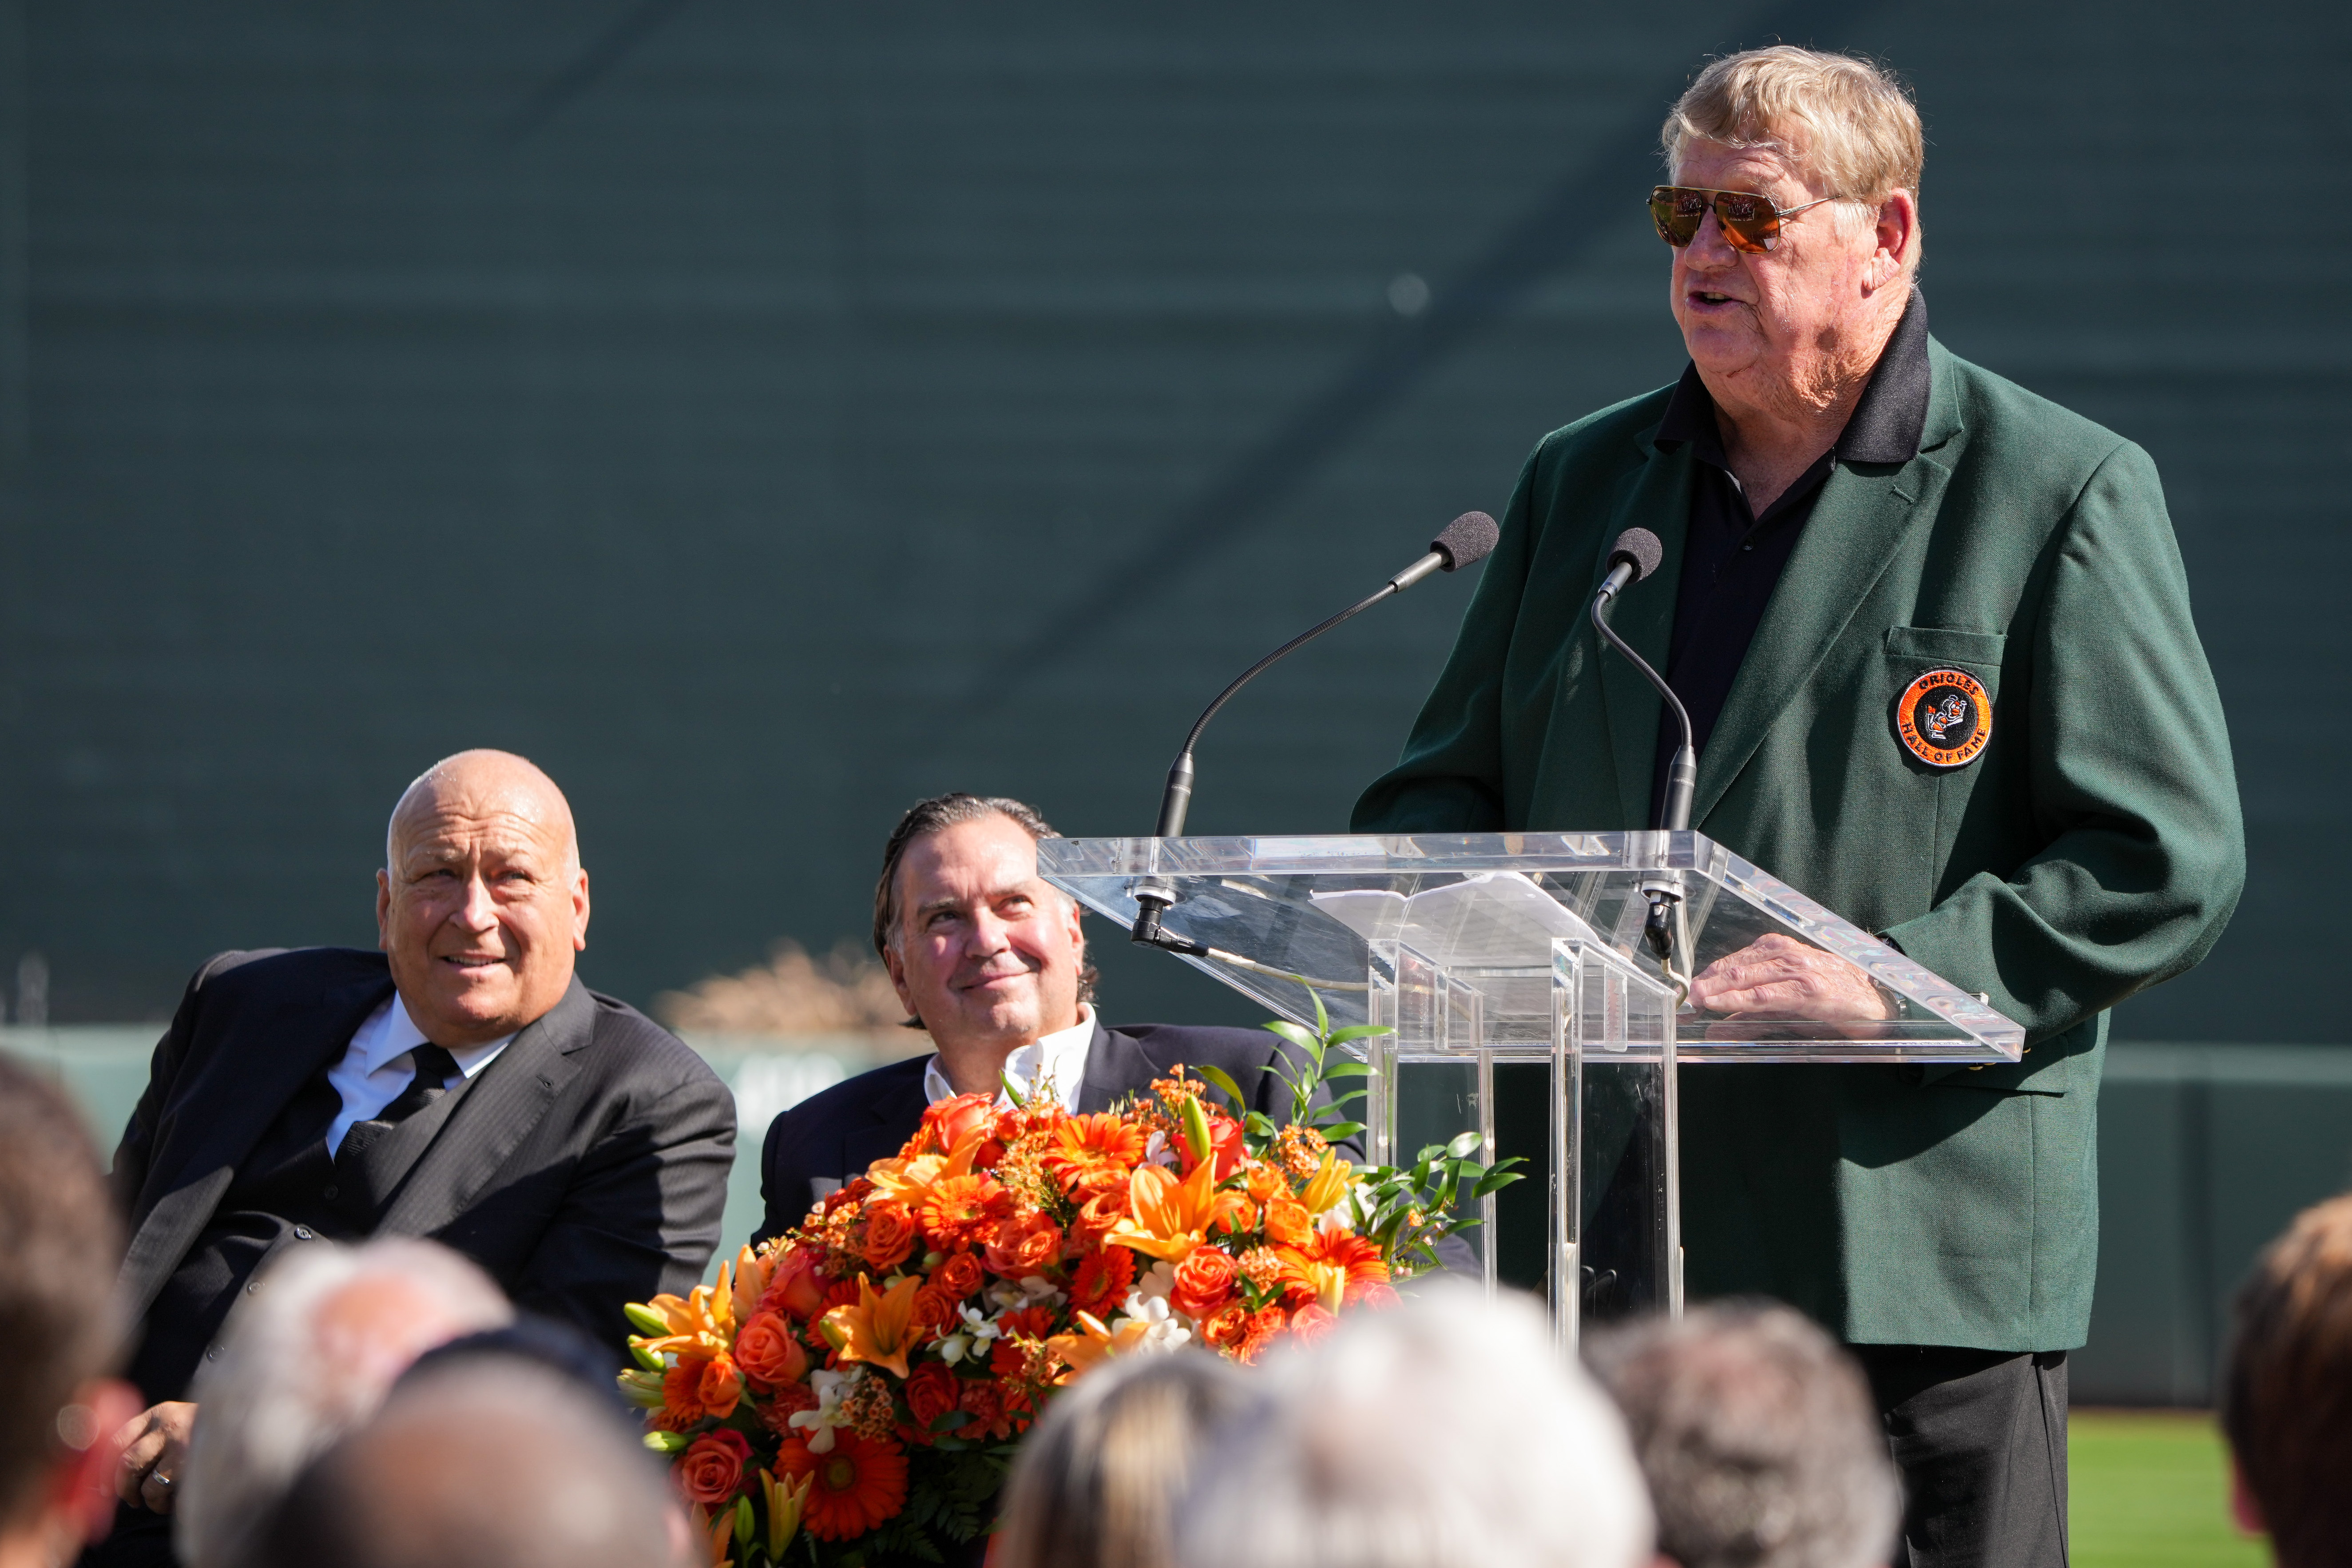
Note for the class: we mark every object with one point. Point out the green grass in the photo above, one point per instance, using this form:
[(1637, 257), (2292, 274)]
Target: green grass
[(2151, 1489)]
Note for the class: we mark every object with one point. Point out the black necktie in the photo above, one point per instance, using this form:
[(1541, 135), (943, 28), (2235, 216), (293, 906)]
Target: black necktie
[(434, 1068)]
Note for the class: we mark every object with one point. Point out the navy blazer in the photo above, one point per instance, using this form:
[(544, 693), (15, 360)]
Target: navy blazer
[(837, 1135), (586, 1167)]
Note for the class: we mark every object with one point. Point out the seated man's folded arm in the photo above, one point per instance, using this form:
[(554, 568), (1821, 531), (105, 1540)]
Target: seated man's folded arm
[(642, 1214)]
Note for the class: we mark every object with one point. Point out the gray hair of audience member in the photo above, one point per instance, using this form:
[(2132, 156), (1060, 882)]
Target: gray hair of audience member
[(1446, 1432), (1759, 1435), (1099, 1479), (308, 1355), (491, 1462)]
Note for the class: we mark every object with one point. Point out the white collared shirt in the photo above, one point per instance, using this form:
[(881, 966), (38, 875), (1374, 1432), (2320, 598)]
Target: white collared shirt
[(1060, 1055), (378, 1065)]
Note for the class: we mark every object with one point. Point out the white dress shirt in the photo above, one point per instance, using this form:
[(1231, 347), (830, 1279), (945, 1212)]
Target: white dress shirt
[(1060, 1055), (378, 1064)]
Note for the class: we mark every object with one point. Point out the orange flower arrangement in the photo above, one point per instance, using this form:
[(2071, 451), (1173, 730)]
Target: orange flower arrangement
[(853, 1388)]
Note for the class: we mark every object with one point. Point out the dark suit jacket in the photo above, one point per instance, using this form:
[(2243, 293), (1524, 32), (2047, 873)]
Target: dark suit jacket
[(585, 1168), (836, 1135), (2090, 849)]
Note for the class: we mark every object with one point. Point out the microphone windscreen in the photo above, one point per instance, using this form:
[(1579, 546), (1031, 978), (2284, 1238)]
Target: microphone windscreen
[(1640, 546), (1468, 540)]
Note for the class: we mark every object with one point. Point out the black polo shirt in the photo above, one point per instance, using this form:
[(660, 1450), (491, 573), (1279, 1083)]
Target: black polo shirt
[(1732, 558)]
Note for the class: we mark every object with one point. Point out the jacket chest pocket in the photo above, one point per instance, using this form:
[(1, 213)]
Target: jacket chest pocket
[(1945, 686)]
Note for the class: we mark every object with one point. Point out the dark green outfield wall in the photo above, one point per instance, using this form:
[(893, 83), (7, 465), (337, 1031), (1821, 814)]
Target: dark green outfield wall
[(764, 414)]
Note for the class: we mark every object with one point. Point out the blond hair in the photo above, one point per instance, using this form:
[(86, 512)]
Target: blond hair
[(1846, 122)]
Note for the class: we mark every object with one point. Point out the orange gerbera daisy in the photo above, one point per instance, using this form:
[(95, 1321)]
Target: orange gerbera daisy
[(1333, 1269), (960, 1209), (859, 1484), (1092, 1142)]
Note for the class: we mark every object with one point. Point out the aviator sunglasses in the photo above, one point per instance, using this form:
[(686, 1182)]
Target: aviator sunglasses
[(1751, 222)]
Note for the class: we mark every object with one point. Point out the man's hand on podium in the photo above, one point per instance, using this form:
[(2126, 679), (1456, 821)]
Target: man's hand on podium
[(1777, 976)]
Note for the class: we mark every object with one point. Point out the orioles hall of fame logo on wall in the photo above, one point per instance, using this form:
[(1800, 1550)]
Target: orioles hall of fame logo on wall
[(1945, 717)]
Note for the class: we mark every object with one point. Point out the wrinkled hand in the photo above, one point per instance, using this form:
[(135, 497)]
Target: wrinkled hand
[(155, 1445), (1777, 976)]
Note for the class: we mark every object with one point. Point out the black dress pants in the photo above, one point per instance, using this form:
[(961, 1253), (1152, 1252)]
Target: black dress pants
[(1981, 1438)]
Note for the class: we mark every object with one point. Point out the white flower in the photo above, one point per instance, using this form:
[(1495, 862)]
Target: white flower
[(1156, 1151), (1165, 1329), (1155, 1285), (830, 1386)]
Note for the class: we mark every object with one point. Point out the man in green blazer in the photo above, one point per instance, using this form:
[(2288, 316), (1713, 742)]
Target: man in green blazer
[(1934, 635)]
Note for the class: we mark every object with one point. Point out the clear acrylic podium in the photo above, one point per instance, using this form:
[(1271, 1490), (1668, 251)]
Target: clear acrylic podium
[(1513, 970)]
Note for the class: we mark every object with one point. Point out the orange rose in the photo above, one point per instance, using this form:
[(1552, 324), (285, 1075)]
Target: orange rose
[(1264, 1324), (1100, 1216), (798, 1284), (935, 1310), (1227, 1326), (1204, 1282), (1287, 1222), (767, 1354), (1265, 1182), (719, 1386), (932, 1393), (951, 1121), (1311, 1322), (890, 1233), (960, 1276), (1029, 1243), (710, 1471)]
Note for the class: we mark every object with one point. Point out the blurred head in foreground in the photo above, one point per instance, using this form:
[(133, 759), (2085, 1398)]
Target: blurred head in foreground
[(2286, 1393), (1759, 1438), (304, 1359), (1099, 1480), (1443, 1433), (487, 1462), (59, 1247)]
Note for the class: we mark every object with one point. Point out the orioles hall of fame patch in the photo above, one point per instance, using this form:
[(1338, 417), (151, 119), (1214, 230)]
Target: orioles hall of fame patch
[(1945, 717)]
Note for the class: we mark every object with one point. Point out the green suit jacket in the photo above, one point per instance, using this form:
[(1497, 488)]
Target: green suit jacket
[(2090, 849)]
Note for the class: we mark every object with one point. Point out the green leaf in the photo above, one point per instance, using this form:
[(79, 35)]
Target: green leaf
[(1293, 1033), (1338, 1129), (1219, 1078), (1322, 1018), (1464, 1145), (1012, 1092), (1258, 1124), (1359, 1032), (1348, 1069)]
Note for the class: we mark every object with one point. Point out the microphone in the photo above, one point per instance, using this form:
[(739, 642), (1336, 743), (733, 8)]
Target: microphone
[(1466, 540), (1635, 556)]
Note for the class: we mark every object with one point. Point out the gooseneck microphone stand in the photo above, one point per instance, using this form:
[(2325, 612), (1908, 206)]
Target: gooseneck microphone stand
[(1633, 557), (1466, 540)]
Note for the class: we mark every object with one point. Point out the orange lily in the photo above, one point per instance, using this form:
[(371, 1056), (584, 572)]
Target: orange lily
[(702, 1323), (752, 1273), (876, 1329), (1328, 1186), (1167, 1218), (786, 1500), (911, 1180), (1094, 1343), (714, 1535)]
